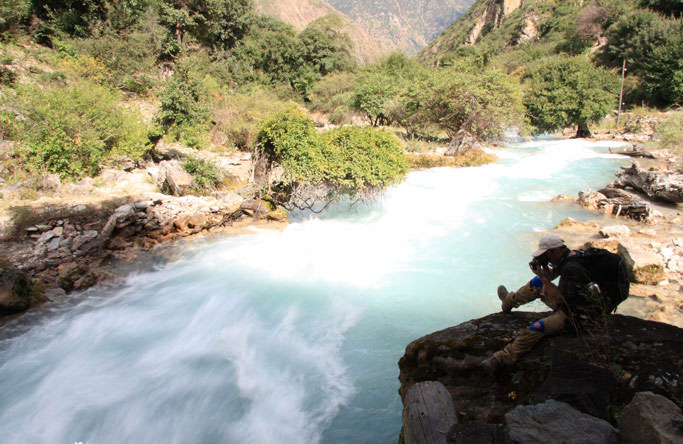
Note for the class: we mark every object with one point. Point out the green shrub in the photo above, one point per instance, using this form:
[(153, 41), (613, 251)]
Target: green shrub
[(205, 175), (361, 158), (70, 131), (12, 13), (670, 132), (347, 160)]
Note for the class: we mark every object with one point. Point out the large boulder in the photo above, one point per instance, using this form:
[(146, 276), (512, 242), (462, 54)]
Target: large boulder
[(646, 354), (651, 418), (174, 179), (555, 421), (15, 290)]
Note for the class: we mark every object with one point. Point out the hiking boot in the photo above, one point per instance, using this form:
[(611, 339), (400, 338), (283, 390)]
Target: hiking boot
[(490, 365), (502, 295)]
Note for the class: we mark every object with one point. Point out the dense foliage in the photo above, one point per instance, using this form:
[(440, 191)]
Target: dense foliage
[(70, 131), (347, 160), (645, 33), (569, 91)]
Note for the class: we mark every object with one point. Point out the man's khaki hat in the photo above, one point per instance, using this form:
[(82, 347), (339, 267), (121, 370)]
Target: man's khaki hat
[(548, 242)]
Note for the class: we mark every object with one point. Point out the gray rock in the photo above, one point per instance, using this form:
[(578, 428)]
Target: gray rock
[(124, 211), (90, 234), (49, 182), (143, 204), (651, 418), (54, 244), (45, 237), (53, 293), (555, 421), (79, 208), (109, 227), (58, 231), (66, 243), (230, 202), (14, 290)]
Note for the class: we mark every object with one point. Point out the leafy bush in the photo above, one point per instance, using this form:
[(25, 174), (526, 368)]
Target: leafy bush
[(363, 157), (70, 131), (347, 160), (205, 175)]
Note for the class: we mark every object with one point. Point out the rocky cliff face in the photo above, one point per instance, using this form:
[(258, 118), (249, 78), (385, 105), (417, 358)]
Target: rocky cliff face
[(299, 13), (481, 18), (597, 373), (404, 25)]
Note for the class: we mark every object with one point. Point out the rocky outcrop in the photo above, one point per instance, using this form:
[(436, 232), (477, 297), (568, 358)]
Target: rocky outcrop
[(596, 373), (65, 254), (666, 186), (493, 16)]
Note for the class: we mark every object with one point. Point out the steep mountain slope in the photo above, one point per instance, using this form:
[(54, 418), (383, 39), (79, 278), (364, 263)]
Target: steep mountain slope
[(299, 13), (405, 25), (483, 17)]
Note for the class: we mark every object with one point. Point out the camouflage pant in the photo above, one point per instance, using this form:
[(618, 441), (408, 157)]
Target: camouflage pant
[(530, 336)]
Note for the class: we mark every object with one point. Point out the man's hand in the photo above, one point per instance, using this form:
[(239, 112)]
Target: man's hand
[(545, 273)]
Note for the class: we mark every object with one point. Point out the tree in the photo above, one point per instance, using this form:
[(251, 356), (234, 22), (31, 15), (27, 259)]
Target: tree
[(372, 96), (649, 43), (215, 23), (74, 17), (326, 47), (483, 104), (670, 7), (569, 91)]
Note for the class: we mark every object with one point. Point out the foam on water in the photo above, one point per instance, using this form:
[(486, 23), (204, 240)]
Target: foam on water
[(288, 336)]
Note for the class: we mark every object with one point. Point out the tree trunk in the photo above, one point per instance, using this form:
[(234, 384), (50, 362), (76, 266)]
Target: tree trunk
[(582, 131)]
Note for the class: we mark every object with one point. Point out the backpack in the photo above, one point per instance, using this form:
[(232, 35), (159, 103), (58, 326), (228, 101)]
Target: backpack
[(610, 272)]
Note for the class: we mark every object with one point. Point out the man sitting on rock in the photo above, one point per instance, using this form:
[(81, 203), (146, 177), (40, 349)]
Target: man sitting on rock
[(564, 299)]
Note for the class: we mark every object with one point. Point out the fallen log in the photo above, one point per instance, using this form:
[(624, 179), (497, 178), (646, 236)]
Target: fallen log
[(617, 202), (665, 186)]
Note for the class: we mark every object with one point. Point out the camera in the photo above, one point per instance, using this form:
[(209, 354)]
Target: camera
[(538, 262)]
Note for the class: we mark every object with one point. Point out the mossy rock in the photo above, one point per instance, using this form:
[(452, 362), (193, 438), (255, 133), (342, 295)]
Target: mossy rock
[(279, 215), (649, 274)]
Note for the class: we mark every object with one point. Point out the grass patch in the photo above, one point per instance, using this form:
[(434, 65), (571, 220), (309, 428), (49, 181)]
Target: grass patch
[(471, 158)]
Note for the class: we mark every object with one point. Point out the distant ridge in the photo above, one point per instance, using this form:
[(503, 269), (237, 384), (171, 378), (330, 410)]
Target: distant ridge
[(405, 25), (299, 13)]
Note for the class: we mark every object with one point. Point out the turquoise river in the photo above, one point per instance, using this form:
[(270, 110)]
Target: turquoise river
[(294, 336)]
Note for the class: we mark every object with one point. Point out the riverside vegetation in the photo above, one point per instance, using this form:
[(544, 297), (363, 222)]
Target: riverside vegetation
[(211, 99)]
